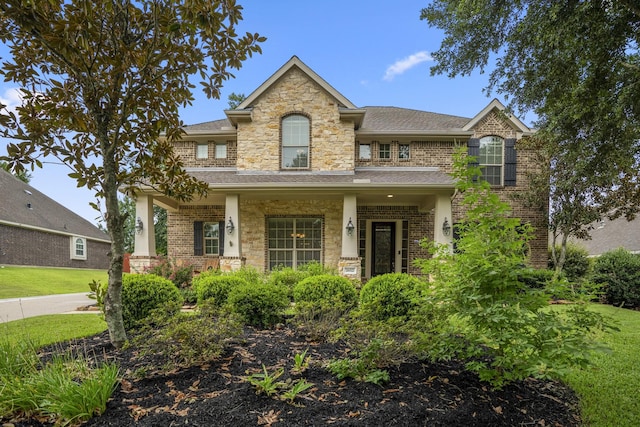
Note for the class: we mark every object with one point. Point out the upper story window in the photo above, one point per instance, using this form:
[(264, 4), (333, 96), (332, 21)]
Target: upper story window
[(384, 151), (490, 159), (365, 151), (403, 152), (221, 151), (202, 151), (78, 248), (295, 142)]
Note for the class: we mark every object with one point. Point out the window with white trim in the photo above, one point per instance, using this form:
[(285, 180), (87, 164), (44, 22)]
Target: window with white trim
[(202, 151), (295, 142), (78, 248), (384, 151), (404, 152), (365, 151), (221, 151), (490, 159), (293, 242), (211, 238)]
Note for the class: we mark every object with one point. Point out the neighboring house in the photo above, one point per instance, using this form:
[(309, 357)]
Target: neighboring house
[(37, 231), (608, 235), (297, 173)]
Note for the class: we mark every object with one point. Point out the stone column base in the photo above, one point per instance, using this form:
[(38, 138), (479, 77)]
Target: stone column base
[(139, 264), (228, 264), (350, 267)]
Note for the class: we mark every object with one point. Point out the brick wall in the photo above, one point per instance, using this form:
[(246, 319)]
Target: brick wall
[(187, 152), (421, 153), (20, 246)]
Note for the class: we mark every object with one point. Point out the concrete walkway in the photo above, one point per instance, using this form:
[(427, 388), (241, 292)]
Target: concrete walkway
[(20, 308)]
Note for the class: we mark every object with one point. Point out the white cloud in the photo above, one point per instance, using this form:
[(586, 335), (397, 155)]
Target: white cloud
[(11, 98), (404, 64)]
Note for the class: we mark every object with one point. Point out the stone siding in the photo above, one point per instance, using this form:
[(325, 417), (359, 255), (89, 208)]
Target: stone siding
[(331, 142)]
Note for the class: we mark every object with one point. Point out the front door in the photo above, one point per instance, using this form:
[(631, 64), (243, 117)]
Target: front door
[(384, 248)]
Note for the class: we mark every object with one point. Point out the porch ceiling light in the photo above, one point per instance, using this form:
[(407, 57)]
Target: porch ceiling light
[(139, 225), (230, 226), (350, 227), (446, 227)]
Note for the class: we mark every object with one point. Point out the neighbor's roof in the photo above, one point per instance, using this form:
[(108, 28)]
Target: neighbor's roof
[(376, 119), (608, 235), (24, 206)]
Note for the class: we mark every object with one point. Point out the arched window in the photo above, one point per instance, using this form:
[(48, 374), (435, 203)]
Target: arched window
[(490, 159), (295, 142)]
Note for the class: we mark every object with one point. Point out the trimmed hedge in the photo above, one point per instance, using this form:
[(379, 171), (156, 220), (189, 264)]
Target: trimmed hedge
[(391, 295), (619, 273), (326, 289), (260, 305), (143, 293), (216, 287)]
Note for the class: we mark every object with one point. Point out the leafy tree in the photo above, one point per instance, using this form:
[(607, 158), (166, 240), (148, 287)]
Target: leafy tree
[(23, 176), (101, 81), (160, 228), (577, 66), (235, 99)]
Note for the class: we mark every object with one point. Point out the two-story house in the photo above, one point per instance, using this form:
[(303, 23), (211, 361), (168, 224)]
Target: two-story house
[(298, 173)]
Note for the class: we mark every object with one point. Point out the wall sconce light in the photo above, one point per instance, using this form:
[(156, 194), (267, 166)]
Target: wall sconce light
[(350, 227), (230, 226), (139, 225), (446, 227)]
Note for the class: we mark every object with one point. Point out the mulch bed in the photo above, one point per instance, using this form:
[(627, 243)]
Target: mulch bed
[(216, 394)]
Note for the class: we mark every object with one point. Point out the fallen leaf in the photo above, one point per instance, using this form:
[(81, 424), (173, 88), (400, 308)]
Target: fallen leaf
[(498, 409), (269, 418), (353, 414)]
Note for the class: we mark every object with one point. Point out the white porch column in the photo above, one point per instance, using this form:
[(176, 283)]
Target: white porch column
[(232, 241), (349, 217), (145, 238), (442, 213)]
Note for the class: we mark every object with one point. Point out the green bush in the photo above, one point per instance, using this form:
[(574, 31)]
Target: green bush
[(325, 289), (286, 277), (260, 305), (577, 264), (249, 274), (180, 274), (535, 278), (143, 293), (619, 273), (216, 287), (390, 295)]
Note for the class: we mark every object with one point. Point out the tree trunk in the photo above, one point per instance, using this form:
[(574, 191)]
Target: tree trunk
[(115, 227)]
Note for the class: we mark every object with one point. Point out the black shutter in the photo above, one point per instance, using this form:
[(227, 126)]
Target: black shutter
[(473, 149), (198, 237), (510, 160), (221, 238)]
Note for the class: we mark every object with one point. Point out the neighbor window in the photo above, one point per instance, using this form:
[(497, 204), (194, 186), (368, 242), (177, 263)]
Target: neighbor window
[(384, 151), (211, 238), (221, 151), (403, 152), (202, 151), (78, 248), (295, 142), (490, 159), (365, 152), (294, 242)]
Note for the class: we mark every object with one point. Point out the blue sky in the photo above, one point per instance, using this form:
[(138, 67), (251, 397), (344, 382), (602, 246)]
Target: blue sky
[(375, 52)]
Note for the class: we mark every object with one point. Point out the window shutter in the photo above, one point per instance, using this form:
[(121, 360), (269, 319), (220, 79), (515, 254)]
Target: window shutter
[(473, 149), (221, 231), (198, 237), (510, 160)]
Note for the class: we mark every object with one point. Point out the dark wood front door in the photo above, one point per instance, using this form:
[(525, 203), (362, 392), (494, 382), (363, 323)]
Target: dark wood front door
[(384, 248)]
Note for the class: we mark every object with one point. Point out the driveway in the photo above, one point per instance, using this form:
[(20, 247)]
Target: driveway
[(19, 308)]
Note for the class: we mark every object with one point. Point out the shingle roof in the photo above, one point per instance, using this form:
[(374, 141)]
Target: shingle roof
[(610, 235), (378, 119), (23, 204), (397, 176)]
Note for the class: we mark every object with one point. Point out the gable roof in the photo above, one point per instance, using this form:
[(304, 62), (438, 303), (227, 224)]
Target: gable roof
[(24, 206), (497, 105)]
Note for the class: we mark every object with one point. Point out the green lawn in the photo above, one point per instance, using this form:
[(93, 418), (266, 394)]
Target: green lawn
[(609, 389), (18, 282), (44, 330)]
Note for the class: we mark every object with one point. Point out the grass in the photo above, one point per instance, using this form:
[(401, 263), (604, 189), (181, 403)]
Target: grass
[(610, 386), (19, 282), (44, 330)]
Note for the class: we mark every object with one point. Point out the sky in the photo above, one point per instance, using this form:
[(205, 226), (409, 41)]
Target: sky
[(374, 52)]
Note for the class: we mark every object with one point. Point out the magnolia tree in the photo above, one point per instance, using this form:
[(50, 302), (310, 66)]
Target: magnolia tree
[(101, 81)]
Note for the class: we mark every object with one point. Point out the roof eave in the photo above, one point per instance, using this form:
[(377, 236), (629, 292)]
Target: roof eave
[(434, 134)]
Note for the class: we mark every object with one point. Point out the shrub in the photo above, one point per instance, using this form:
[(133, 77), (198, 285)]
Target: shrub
[(535, 278), (619, 273), (314, 268), (216, 287), (250, 275), (577, 264), (390, 295), (180, 274), (287, 277), (143, 293), (325, 290), (260, 305)]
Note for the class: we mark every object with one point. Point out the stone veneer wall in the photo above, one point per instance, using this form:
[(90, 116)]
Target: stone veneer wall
[(421, 153), (420, 226), (331, 143), (187, 152), (253, 214)]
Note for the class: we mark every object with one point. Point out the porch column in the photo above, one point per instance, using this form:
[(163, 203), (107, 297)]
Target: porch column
[(232, 258), (443, 212), (145, 236), (349, 265)]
